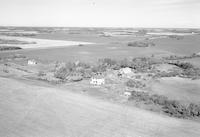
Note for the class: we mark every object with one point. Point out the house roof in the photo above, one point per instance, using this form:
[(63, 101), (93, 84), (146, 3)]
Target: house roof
[(126, 70), (32, 60), (98, 77)]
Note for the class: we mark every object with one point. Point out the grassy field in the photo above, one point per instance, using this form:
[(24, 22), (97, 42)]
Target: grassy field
[(49, 111), (112, 47), (185, 46), (181, 89), (88, 52)]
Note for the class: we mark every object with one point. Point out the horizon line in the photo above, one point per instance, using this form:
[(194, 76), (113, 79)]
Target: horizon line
[(27, 26)]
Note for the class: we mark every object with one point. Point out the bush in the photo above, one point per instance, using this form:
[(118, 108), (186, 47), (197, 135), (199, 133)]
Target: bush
[(185, 65), (5, 70), (192, 73), (171, 107), (141, 32), (41, 73), (130, 83), (140, 44), (9, 48), (107, 62), (104, 64), (62, 73), (80, 45), (98, 68), (66, 71), (158, 99), (83, 65), (134, 84), (143, 64), (75, 77), (87, 73), (63, 70), (189, 70), (194, 109), (125, 63)]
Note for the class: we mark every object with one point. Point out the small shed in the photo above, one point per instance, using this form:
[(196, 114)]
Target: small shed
[(106, 34), (126, 70), (32, 62), (97, 80), (127, 94), (198, 54)]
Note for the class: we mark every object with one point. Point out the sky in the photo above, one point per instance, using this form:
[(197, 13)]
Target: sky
[(101, 13)]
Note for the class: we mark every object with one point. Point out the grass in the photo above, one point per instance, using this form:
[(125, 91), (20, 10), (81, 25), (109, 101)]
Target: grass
[(189, 45)]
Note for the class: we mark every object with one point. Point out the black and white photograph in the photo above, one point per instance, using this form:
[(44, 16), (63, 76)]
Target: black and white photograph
[(100, 68)]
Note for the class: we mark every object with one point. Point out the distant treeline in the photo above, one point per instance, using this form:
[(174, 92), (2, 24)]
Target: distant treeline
[(2, 48), (13, 41), (141, 44)]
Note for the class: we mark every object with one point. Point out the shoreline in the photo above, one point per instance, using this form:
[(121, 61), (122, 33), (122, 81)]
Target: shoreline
[(42, 43)]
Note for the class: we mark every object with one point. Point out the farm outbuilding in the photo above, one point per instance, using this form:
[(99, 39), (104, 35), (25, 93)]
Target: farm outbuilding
[(97, 80), (125, 70), (32, 62), (127, 94), (198, 54)]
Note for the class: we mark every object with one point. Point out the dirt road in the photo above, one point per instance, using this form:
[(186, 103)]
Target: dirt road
[(28, 110)]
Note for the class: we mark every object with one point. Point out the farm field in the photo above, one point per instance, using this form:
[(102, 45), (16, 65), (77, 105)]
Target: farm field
[(114, 49)]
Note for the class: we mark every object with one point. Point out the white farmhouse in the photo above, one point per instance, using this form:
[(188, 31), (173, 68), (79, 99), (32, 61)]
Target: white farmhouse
[(97, 80), (32, 62)]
